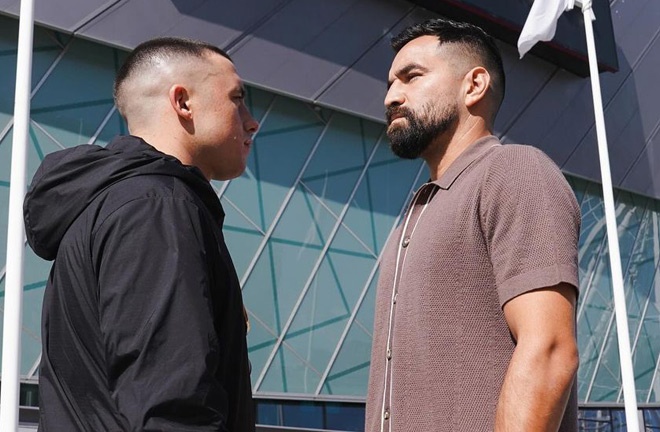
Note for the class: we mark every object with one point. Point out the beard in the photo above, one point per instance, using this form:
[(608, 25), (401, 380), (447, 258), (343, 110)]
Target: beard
[(411, 140)]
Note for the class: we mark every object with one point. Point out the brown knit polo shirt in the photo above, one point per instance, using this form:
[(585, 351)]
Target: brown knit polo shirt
[(501, 221)]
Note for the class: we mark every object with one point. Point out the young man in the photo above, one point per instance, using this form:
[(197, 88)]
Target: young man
[(474, 327), (143, 321)]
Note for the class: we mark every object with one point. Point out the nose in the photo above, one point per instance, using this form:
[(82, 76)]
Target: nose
[(394, 96), (249, 123)]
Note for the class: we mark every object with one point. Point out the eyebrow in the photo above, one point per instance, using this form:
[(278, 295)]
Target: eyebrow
[(406, 70)]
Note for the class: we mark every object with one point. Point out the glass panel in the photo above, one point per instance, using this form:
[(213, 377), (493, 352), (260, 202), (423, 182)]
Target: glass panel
[(327, 306), (349, 374), (594, 308), (71, 110), (290, 374), (115, 126), (641, 279), (619, 421), (261, 341), (646, 357), (305, 221), (277, 281), (283, 144), (36, 273), (344, 417), (268, 413), (5, 175), (31, 325), (608, 376), (595, 420), (242, 244), (652, 419), (29, 395), (339, 161), (638, 235), (379, 200), (45, 51), (630, 211), (308, 415), (73, 124)]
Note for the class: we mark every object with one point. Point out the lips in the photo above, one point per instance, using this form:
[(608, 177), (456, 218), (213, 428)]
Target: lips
[(396, 113), (392, 121)]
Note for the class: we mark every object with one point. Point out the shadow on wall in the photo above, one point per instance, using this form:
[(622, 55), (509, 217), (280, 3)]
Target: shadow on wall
[(553, 109), (630, 135), (313, 27)]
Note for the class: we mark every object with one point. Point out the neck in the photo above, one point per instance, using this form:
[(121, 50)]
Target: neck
[(445, 151), (167, 142)]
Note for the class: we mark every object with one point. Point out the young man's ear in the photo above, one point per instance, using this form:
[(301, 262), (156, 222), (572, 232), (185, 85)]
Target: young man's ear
[(179, 99), (477, 81)]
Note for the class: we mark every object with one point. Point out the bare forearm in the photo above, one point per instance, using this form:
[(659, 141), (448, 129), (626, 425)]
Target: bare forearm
[(536, 389)]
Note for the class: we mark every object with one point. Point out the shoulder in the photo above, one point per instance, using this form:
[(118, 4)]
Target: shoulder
[(150, 193), (520, 163), (522, 174), (523, 178), (519, 153), (150, 186)]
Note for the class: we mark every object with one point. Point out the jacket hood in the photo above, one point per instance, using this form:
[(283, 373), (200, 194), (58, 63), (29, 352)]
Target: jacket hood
[(67, 181)]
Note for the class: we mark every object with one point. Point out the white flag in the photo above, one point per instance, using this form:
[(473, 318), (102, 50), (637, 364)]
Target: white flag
[(542, 22)]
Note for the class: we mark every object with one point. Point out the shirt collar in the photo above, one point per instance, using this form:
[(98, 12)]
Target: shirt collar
[(465, 159)]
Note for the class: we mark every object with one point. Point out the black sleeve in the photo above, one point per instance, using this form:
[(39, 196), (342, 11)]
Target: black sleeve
[(156, 317)]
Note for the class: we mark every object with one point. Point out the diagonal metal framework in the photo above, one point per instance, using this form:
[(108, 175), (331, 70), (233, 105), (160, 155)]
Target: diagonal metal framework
[(102, 126), (38, 86), (620, 209), (594, 252), (364, 290), (283, 206), (312, 275), (336, 216)]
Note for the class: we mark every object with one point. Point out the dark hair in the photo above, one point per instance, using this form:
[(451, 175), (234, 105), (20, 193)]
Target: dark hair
[(162, 48), (474, 40)]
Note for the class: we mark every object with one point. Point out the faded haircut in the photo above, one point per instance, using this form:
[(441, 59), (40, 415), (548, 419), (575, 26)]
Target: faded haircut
[(153, 51), (473, 40)]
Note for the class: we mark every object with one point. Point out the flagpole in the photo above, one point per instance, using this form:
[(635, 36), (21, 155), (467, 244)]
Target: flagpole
[(627, 374), (13, 307)]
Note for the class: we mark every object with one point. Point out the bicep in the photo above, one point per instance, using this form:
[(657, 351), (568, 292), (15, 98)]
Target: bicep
[(545, 314), (151, 268), (156, 317), (531, 224)]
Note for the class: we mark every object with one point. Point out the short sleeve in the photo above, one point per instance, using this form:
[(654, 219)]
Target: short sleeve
[(531, 222)]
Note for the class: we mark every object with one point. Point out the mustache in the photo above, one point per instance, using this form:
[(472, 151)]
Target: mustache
[(396, 111)]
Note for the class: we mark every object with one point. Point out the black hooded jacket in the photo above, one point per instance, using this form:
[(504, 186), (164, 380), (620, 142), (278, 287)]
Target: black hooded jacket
[(143, 324)]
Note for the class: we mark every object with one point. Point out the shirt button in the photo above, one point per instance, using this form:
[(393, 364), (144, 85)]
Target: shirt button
[(405, 242), (386, 414), (389, 354), (394, 299)]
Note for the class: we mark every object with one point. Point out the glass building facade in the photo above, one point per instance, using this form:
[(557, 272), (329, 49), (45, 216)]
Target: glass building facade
[(306, 224)]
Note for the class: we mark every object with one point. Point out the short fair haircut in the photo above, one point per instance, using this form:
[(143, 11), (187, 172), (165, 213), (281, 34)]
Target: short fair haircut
[(155, 51), (472, 40)]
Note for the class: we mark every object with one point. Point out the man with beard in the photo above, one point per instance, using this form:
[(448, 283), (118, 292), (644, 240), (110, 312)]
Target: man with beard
[(475, 311)]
